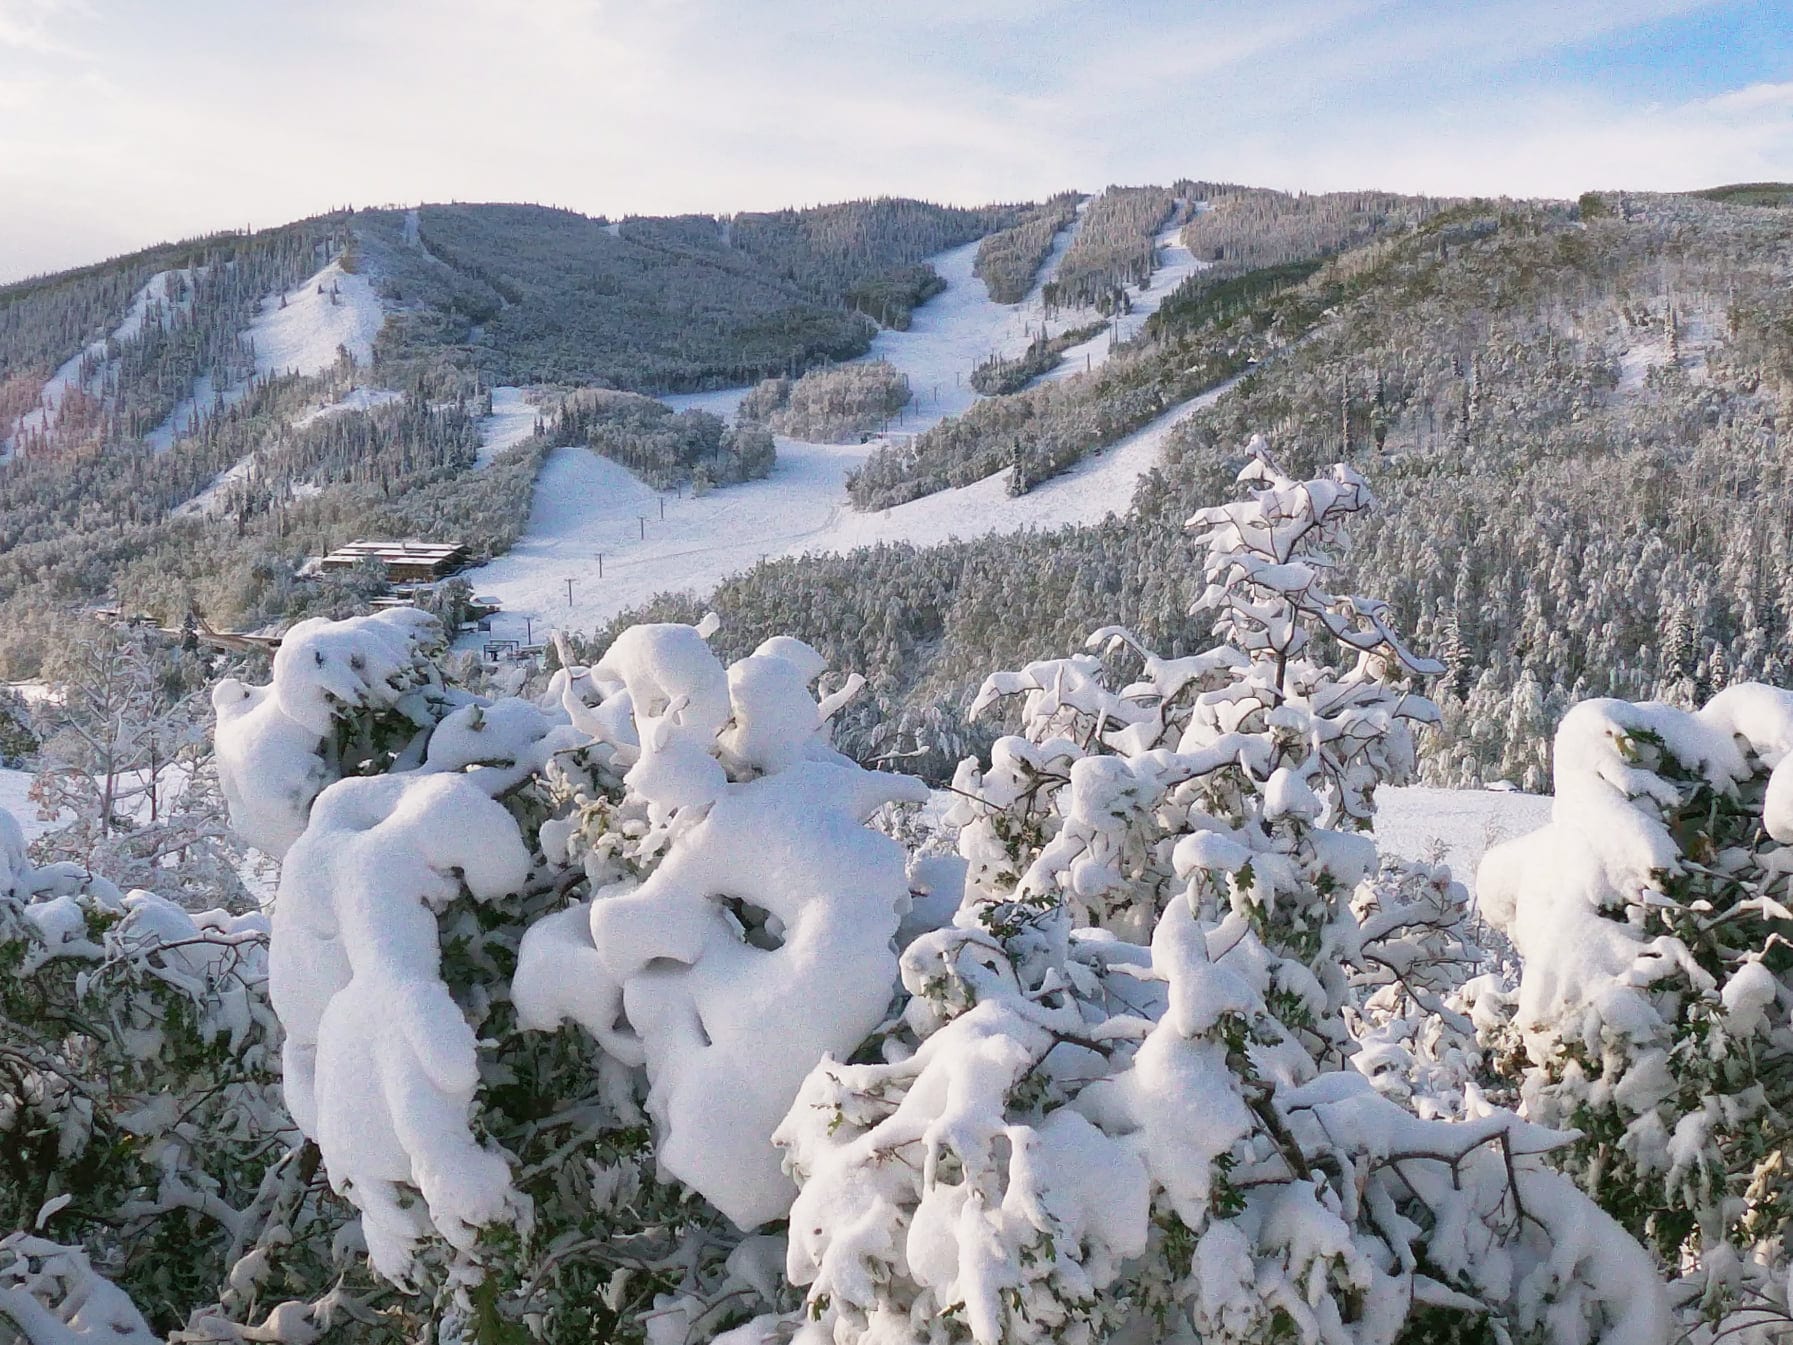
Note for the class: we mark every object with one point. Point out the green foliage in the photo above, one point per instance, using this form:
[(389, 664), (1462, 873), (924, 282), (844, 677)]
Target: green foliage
[(1750, 194), (664, 448), (1008, 261), (997, 376)]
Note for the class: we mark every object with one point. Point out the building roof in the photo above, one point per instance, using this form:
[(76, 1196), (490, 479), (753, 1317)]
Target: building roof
[(426, 553)]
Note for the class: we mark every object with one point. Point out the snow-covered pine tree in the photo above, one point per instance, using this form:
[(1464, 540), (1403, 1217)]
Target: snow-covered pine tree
[(1652, 921), (1115, 1098), (610, 1016)]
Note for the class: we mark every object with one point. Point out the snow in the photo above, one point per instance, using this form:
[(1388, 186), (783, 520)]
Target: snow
[(1694, 337), (1412, 819), (270, 739), (1607, 845), (210, 500), (33, 693), (15, 790), (355, 399), (728, 1017), (304, 337), (68, 378), (202, 401), (948, 336), (379, 1064), (585, 504), (512, 421)]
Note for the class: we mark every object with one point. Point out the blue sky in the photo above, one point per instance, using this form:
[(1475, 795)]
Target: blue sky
[(124, 122)]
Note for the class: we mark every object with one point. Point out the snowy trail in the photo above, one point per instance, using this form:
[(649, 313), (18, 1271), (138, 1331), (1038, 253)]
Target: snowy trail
[(511, 422), (585, 504), (331, 311), (1176, 264), (948, 336)]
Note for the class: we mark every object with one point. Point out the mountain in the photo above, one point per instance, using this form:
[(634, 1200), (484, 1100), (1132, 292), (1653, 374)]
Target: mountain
[(1570, 410)]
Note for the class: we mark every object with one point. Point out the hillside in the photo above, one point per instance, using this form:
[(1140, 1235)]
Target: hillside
[(1573, 423), (180, 427), (1586, 392)]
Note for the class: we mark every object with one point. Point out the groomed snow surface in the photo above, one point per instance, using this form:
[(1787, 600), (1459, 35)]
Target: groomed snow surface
[(586, 505), (511, 422), (332, 311), (1417, 822)]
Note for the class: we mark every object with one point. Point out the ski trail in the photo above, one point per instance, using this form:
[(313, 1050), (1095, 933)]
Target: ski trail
[(511, 422), (585, 505), (87, 370), (948, 337), (1176, 263)]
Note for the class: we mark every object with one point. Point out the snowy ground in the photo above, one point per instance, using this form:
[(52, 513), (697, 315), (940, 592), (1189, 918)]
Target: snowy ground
[(1414, 820), (331, 311), (211, 499), (15, 787), (511, 422), (1694, 337), (585, 505), (355, 399)]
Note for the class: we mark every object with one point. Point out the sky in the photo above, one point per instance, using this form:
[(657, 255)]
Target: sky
[(128, 122)]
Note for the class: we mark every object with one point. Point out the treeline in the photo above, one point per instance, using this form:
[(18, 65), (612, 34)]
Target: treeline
[(666, 449), (831, 250), (549, 296), (891, 298), (1008, 261), (998, 374), (836, 405), (168, 333), (1113, 249), (532, 295), (1574, 504), (1251, 228)]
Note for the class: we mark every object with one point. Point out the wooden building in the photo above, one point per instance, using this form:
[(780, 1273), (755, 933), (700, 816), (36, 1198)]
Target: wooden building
[(405, 562)]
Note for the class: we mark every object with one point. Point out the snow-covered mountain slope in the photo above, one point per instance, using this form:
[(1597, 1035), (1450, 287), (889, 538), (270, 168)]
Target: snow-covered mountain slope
[(1458, 825), (585, 504), (332, 311), (87, 370), (947, 337), (1176, 263), (357, 398), (512, 421)]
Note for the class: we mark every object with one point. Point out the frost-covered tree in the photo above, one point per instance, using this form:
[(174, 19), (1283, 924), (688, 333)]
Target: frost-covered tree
[(139, 1103), (125, 769), (1114, 1099), (1651, 920), (608, 1014)]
